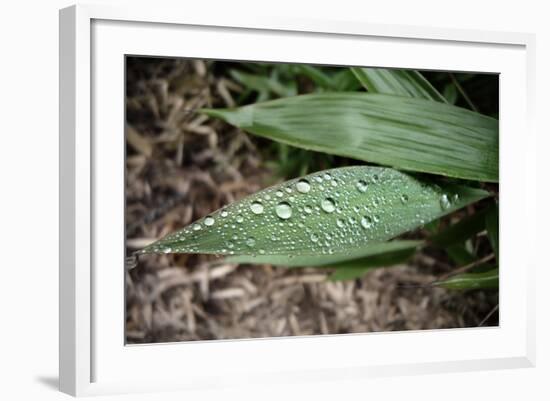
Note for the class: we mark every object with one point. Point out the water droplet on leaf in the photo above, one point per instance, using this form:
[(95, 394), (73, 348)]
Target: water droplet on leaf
[(283, 210), (366, 222), (328, 205), (444, 202), (257, 207), (361, 186), (303, 186)]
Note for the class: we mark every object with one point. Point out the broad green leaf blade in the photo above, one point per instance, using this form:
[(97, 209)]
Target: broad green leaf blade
[(461, 231), (470, 281), (405, 133), (352, 258), (408, 83), (492, 228), (356, 268), (333, 211)]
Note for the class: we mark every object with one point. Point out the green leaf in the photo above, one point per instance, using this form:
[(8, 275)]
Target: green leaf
[(353, 258), (459, 232), (408, 83), (492, 227), (333, 211), (356, 268), (470, 281), (262, 84), (405, 133), (460, 255), (345, 80), (450, 93), (316, 75)]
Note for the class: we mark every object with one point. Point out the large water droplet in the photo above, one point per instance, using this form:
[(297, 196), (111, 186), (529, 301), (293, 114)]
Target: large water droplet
[(250, 242), (303, 186), (257, 207), (167, 250), (239, 218), (313, 237), (307, 209), (327, 176), (404, 198), (444, 202), (366, 222), (196, 227), (328, 205), (224, 213), (340, 223), (279, 194), (361, 186), (283, 210), (209, 221)]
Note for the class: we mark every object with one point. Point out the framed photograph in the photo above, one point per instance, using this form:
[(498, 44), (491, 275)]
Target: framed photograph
[(276, 200)]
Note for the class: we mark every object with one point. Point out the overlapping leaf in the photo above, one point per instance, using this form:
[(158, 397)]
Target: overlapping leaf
[(356, 268), (397, 82), (353, 258), (405, 133), (471, 281)]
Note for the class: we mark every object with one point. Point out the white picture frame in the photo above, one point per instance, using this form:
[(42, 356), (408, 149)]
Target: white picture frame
[(93, 356)]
